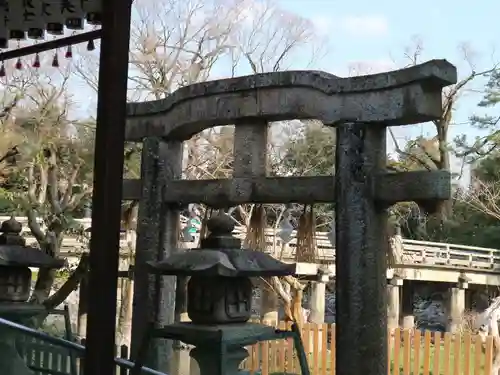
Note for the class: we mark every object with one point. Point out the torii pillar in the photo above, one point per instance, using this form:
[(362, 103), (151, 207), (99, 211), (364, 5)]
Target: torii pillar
[(364, 190)]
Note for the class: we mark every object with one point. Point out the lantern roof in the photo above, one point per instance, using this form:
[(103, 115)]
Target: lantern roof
[(14, 252), (220, 254)]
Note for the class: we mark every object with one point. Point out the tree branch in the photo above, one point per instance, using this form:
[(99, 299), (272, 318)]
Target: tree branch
[(70, 285), (42, 191), (65, 200), (34, 226), (53, 182), (407, 154)]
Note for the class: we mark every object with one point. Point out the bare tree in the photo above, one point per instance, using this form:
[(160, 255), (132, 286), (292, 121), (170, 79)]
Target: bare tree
[(271, 39), (435, 154), (50, 169), (483, 196), (174, 44)]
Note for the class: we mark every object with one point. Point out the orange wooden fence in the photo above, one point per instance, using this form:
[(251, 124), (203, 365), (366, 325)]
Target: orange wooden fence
[(410, 353)]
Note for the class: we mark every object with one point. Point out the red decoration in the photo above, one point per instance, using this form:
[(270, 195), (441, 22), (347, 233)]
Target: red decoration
[(19, 64), (36, 63), (69, 53), (2, 70), (90, 45), (55, 61)]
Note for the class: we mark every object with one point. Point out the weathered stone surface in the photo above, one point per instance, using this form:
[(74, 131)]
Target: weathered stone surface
[(156, 237), (405, 96), (415, 186), (388, 188), (361, 241)]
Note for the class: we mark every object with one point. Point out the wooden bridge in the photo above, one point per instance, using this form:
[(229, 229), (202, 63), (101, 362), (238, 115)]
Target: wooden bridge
[(420, 260)]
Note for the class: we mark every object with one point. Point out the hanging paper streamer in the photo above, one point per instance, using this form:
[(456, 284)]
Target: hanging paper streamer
[(36, 62), (4, 32), (69, 52), (53, 17), (332, 236), (90, 45), (19, 64), (33, 19), (55, 60), (286, 229), (72, 12), (15, 23), (93, 10)]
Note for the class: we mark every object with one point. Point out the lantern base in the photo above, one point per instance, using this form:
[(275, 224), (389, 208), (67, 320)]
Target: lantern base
[(237, 334), (210, 360), (11, 362), (219, 348)]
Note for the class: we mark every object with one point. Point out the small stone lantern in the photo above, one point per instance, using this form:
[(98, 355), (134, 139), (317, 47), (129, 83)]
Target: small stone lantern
[(15, 288), (15, 262), (219, 296)]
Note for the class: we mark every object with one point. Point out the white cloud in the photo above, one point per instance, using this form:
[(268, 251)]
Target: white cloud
[(357, 68), (322, 24), (365, 26), (362, 67)]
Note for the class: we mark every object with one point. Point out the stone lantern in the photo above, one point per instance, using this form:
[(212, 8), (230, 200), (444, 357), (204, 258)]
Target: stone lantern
[(219, 296), (15, 288)]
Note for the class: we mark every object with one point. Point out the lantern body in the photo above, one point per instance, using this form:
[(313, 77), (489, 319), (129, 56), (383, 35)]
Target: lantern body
[(219, 300), (15, 283), (15, 262)]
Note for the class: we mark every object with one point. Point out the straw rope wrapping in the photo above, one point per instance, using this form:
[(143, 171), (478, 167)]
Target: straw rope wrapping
[(306, 237)]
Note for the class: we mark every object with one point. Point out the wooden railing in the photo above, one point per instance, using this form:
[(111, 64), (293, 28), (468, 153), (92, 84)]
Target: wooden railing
[(425, 353), (416, 254)]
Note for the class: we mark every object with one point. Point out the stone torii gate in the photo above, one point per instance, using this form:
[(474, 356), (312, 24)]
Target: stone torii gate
[(360, 109)]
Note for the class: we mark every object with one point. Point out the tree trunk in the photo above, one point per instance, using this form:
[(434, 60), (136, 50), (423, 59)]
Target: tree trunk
[(444, 165), (124, 324), (268, 305)]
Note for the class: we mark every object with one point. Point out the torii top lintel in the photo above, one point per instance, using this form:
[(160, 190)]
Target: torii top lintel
[(399, 97)]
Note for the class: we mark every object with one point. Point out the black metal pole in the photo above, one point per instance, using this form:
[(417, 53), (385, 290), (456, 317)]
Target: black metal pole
[(106, 202), (51, 45)]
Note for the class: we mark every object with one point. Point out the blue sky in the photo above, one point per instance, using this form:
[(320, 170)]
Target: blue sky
[(376, 33)]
